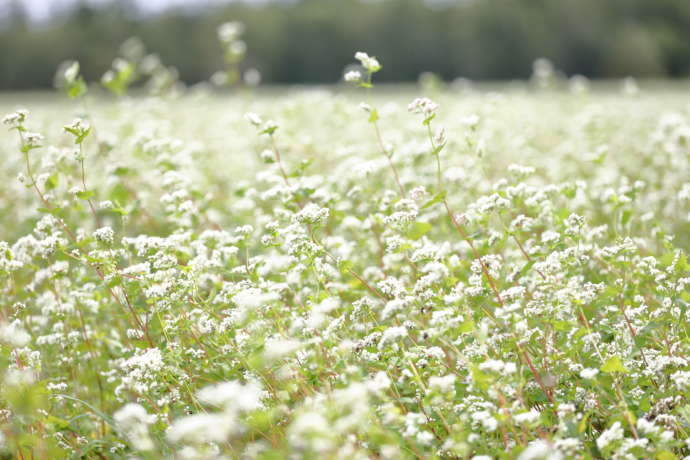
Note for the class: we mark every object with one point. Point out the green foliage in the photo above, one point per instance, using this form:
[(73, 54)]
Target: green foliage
[(119, 77), (417, 230), (613, 365)]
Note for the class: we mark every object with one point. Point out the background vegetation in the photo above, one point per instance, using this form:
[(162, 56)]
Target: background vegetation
[(307, 41)]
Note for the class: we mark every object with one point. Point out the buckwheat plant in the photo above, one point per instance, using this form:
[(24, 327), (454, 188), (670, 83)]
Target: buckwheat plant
[(234, 51), (505, 277)]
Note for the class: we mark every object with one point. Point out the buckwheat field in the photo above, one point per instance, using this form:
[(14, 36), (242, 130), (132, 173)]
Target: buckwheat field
[(346, 272)]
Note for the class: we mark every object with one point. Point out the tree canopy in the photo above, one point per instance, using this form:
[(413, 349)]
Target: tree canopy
[(311, 41)]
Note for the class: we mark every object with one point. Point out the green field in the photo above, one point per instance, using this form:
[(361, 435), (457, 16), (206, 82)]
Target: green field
[(503, 274)]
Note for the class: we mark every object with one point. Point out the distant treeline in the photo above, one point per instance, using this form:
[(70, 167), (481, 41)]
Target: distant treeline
[(311, 41)]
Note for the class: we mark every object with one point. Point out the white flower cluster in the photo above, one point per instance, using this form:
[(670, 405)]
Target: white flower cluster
[(368, 62), (337, 289)]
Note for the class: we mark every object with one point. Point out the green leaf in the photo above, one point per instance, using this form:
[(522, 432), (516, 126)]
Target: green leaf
[(52, 182), (58, 422), (76, 88), (582, 426), (666, 455), (299, 170), (439, 197), (647, 333), (80, 138), (85, 195), (28, 147), (479, 378), (269, 130), (53, 211), (79, 135), (122, 171), (119, 194), (114, 281), (416, 230), (345, 266), (614, 364), (96, 411), (118, 80), (525, 268), (569, 191), (682, 265), (438, 149), (374, 117), (120, 211), (466, 327), (562, 326)]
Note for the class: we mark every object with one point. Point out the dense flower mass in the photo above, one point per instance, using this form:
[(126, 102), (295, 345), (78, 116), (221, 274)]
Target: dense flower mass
[(470, 275)]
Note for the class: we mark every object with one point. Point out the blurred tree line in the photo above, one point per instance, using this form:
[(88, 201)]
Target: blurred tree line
[(311, 41)]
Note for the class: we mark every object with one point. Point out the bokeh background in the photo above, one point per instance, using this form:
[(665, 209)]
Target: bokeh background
[(311, 41)]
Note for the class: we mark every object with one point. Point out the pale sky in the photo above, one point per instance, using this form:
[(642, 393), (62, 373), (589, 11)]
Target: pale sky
[(42, 9)]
